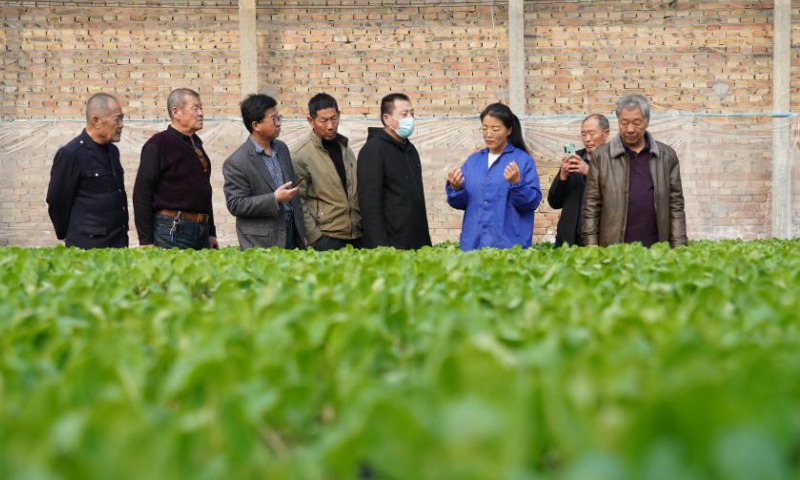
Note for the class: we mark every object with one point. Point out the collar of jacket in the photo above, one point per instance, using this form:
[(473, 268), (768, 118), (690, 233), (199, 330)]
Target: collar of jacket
[(256, 147), (617, 148), (509, 148), (254, 150), (341, 139), (186, 138), (89, 142)]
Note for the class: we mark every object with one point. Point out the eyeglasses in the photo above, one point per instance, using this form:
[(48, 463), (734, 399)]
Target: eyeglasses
[(277, 119)]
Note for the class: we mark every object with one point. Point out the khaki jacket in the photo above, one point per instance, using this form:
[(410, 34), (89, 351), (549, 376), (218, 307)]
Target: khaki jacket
[(327, 209), (605, 202)]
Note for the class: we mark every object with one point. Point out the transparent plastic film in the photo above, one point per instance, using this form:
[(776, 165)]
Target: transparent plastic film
[(726, 167)]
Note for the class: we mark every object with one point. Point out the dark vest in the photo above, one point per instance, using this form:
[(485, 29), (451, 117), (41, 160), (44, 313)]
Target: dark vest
[(182, 183)]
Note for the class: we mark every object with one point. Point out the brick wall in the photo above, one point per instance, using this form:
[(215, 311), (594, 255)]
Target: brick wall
[(443, 56), (56, 56), (795, 84), (687, 55), (682, 54)]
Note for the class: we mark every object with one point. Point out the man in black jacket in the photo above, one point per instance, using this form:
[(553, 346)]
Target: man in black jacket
[(389, 173), (86, 196), (566, 192)]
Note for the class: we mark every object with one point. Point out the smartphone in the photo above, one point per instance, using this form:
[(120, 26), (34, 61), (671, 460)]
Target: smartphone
[(569, 149)]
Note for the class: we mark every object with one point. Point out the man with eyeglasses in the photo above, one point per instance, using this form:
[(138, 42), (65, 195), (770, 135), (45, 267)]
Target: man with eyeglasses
[(260, 184), (172, 194), (326, 168), (633, 188), (86, 196)]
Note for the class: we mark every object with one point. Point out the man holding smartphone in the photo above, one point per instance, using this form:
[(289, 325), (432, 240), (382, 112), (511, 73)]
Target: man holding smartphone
[(260, 184), (566, 191)]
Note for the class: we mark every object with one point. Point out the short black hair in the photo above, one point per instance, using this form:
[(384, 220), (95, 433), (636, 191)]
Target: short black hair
[(387, 103), (321, 101), (255, 107)]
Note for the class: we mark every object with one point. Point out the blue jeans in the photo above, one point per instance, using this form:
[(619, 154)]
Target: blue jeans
[(173, 233)]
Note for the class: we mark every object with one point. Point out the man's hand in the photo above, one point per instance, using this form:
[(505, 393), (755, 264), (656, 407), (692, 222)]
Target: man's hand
[(566, 165), (455, 178), (285, 193), (577, 165), (213, 243), (511, 173)]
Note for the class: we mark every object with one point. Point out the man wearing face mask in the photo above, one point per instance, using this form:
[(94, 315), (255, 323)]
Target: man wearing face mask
[(86, 197), (389, 173)]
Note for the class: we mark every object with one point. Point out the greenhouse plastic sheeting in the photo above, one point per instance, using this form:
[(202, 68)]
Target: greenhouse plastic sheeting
[(726, 166)]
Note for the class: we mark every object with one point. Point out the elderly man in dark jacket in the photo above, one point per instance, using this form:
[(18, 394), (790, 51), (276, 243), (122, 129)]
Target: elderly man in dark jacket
[(389, 173), (566, 191), (633, 190), (86, 197)]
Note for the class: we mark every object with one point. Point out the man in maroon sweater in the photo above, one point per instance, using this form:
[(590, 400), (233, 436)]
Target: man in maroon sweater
[(172, 193)]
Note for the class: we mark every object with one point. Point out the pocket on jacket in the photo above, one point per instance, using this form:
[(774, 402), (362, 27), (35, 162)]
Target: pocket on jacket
[(318, 214), (93, 231), (98, 181), (258, 229), (259, 241)]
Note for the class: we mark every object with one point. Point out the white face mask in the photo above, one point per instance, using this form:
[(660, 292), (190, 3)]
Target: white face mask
[(406, 127)]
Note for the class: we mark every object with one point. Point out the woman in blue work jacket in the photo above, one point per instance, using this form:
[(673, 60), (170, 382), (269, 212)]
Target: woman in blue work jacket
[(497, 187)]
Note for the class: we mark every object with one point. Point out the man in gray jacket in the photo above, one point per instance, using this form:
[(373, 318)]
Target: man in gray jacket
[(260, 184)]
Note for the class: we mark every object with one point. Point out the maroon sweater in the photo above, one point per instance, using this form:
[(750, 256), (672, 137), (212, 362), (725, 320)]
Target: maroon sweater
[(641, 223), (171, 177)]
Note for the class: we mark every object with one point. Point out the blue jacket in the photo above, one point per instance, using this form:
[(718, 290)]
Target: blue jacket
[(496, 213)]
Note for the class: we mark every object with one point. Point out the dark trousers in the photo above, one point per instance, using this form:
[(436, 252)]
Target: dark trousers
[(86, 241), (324, 243), (180, 233), (291, 231)]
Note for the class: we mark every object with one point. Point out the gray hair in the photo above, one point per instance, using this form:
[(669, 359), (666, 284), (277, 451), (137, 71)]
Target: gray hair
[(99, 105), (634, 100), (601, 120), (177, 98)]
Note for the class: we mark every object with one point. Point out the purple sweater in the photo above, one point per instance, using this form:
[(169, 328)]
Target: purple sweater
[(641, 225), (171, 177)]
